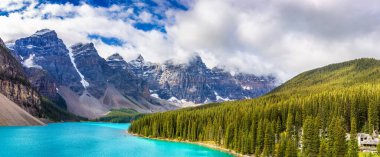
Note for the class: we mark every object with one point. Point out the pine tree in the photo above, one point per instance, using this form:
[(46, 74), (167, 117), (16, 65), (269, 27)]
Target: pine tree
[(310, 137), (323, 149), (291, 148), (257, 152), (337, 137), (371, 116), (260, 136), (290, 125), (281, 146), (228, 136), (268, 140), (353, 149), (378, 148)]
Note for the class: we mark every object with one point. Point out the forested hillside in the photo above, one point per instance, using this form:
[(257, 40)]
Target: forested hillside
[(317, 107), (121, 116)]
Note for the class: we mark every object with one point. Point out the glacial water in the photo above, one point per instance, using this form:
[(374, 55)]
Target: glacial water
[(91, 140)]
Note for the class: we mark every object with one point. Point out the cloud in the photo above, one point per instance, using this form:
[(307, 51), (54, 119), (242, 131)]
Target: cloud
[(282, 38), (145, 17), (77, 23), (13, 5)]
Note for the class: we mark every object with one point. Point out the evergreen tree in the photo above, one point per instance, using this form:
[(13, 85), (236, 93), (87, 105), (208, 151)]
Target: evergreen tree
[(323, 149), (310, 137), (291, 148), (378, 148), (337, 137), (257, 152), (268, 140), (353, 150), (281, 146), (290, 124), (260, 136), (373, 114)]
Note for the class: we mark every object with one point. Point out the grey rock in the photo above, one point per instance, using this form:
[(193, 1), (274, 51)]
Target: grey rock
[(50, 53), (14, 84), (196, 83)]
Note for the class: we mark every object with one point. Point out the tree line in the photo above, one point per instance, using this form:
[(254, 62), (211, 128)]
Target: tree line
[(286, 124)]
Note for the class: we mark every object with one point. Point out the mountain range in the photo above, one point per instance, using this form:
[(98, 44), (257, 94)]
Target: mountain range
[(313, 111), (78, 80)]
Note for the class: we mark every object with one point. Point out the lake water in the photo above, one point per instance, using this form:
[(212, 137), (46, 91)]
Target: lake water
[(90, 140)]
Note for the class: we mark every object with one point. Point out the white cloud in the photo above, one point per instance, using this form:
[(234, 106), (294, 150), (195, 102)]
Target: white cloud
[(256, 36), (145, 17), (281, 37), (13, 5), (87, 20)]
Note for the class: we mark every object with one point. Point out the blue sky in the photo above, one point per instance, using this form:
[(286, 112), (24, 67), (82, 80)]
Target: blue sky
[(282, 38), (156, 10)]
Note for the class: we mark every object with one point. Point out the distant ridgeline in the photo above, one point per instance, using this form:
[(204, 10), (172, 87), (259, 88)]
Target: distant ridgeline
[(121, 116), (314, 110)]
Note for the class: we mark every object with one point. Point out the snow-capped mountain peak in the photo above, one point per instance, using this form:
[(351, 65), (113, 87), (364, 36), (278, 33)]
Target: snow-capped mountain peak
[(115, 57)]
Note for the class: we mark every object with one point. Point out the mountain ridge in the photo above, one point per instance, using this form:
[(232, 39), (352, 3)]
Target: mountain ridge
[(194, 82), (367, 67), (91, 85), (21, 103), (343, 96)]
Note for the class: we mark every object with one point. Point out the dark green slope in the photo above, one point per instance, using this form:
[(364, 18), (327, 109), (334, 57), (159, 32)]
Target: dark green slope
[(55, 113), (121, 116), (334, 76), (331, 100)]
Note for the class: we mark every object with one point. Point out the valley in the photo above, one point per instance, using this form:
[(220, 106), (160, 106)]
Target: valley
[(189, 78)]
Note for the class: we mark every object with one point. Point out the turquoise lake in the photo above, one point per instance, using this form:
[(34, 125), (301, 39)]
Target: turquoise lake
[(90, 140)]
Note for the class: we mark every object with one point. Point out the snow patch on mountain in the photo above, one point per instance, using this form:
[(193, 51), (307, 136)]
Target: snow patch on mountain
[(155, 95), (219, 98), (85, 84), (182, 102), (30, 46), (29, 62), (247, 87)]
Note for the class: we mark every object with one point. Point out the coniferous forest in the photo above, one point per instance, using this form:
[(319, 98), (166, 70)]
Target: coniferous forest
[(313, 114)]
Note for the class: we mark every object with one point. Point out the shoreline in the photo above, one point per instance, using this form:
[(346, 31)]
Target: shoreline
[(203, 143)]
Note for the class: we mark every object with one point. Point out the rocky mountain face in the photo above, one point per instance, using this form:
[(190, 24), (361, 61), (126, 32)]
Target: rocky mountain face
[(15, 86), (20, 101), (119, 74), (194, 83), (92, 66), (109, 85), (89, 84), (47, 63)]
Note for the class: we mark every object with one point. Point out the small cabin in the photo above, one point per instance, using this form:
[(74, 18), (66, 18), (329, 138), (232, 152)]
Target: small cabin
[(367, 142)]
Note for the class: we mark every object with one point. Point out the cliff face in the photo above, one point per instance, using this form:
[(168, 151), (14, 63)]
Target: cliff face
[(89, 84), (44, 84), (45, 51), (124, 80), (14, 84), (194, 83), (108, 84), (92, 67)]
